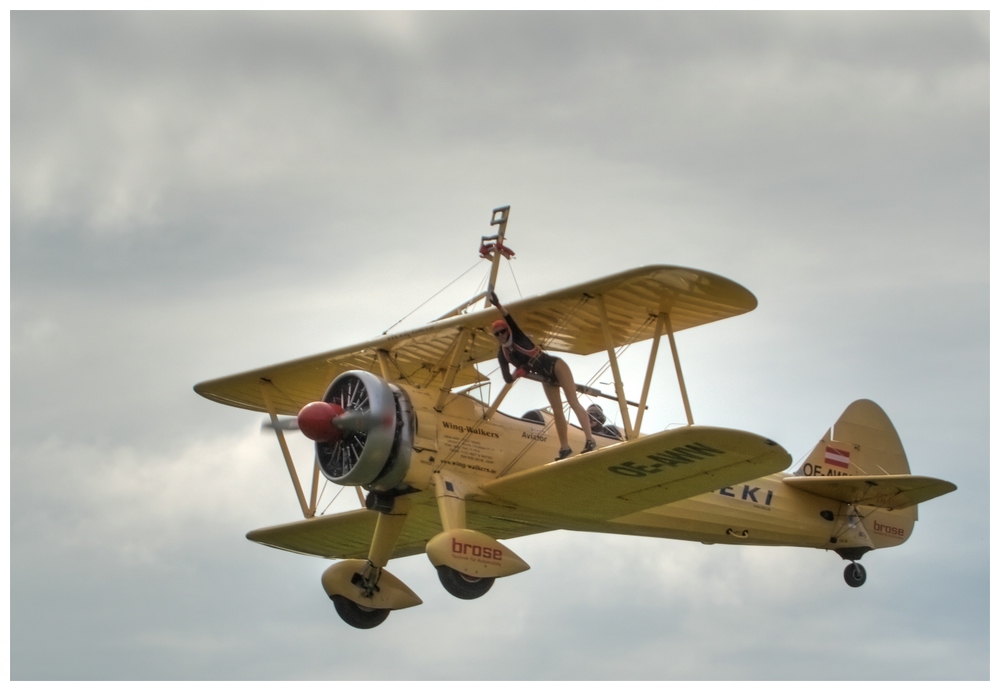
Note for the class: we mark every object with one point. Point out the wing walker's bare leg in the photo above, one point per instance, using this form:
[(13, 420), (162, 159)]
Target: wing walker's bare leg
[(307, 511)]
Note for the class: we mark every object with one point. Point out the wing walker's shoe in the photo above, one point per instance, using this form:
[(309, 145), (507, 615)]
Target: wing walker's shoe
[(563, 453), (589, 446)]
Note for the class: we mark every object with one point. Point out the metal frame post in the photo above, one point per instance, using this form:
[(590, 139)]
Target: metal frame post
[(504, 212)]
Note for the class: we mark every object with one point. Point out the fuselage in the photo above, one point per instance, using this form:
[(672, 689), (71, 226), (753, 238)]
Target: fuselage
[(457, 441)]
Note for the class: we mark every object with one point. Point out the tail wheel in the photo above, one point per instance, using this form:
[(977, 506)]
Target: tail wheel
[(462, 586), (855, 575), (357, 616)]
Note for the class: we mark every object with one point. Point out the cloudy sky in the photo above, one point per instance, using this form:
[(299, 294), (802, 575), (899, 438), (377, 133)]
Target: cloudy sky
[(194, 195)]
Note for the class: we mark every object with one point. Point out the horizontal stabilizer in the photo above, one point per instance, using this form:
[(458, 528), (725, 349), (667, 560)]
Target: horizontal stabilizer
[(882, 491), (636, 475)]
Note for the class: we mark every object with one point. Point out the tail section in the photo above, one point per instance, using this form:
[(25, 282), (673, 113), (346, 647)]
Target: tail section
[(860, 462), (863, 441)]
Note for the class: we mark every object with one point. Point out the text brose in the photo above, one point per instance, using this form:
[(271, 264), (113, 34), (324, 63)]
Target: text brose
[(475, 550), (889, 530)]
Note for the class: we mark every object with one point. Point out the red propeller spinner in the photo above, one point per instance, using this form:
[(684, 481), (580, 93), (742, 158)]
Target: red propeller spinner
[(316, 421)]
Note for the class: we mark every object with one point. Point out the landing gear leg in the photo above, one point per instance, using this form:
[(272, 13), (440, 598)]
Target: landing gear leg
[(467, 561), (855, 575), (362, 592)]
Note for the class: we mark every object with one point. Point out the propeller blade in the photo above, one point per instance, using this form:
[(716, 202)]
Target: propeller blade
[(354, 421), (287, 424)]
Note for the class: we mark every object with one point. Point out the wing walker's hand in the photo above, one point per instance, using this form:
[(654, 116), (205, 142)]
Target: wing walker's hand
[(519, 372), (495, 300)]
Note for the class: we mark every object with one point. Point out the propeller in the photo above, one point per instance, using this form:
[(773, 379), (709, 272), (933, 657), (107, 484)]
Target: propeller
[(287, 424), (322, 421), (363, 430)]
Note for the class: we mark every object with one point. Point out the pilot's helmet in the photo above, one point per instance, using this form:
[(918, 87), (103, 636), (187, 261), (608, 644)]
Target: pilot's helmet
[(596, 414)]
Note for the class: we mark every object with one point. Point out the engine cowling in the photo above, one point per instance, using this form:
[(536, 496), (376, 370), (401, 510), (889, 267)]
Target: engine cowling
[(363, 429)]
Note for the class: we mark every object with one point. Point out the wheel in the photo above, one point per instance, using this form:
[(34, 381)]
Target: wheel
[(462, 586), (855, 575), (357, 616)]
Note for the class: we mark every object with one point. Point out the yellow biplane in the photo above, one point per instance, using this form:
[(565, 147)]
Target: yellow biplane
[(451, 476)]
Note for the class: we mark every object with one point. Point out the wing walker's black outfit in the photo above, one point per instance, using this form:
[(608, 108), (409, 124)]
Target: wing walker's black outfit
[(526, 355)]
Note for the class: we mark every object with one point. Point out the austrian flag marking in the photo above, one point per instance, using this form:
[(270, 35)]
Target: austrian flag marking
[(841, 459)]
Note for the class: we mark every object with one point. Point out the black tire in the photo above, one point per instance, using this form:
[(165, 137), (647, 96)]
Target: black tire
[(462, 586), (855, 575), (357, 616)]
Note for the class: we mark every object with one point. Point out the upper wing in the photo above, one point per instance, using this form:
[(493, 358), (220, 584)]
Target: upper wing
[(882, 491), (636, 475), (348, 535), (567, 320)]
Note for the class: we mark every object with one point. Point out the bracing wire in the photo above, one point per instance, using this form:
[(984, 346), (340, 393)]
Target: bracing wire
[(462, 275), (516, 285), (322, 491), (482, 283), (323, 512)]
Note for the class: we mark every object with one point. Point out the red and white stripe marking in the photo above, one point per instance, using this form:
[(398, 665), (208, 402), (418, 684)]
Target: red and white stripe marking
[(841, 459)]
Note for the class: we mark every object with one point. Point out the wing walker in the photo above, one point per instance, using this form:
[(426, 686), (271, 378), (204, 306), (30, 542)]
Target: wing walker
[(450, 475)]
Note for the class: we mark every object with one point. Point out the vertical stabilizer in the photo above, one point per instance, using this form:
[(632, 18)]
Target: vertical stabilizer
[(862, 442)]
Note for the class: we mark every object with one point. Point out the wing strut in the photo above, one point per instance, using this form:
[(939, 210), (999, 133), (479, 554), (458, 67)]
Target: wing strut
[(383, 363), (619, 388), (654, 349), (307, 510), (499, 399), (677, 365), (453, 367)]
